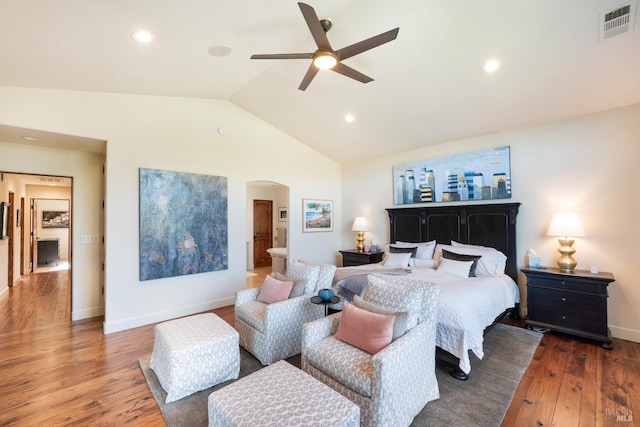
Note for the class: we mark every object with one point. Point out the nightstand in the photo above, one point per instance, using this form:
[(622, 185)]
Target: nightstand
[(574, 303), (352, 257)]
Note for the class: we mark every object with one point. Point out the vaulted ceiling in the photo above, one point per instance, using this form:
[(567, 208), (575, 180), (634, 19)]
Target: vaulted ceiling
[(428, 88)]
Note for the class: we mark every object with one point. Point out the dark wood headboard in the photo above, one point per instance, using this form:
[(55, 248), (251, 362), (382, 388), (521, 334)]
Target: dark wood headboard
[(491, 225)]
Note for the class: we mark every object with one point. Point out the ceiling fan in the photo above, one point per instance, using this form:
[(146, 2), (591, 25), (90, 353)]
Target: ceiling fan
[(325, 57)]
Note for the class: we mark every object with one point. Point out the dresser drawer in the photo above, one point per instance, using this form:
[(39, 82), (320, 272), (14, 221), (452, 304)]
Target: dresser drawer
[(568, 284), (561, 299), (572, 319)]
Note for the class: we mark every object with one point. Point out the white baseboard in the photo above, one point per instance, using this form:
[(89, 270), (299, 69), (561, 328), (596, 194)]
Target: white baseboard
[(134, 322), (87, 313), (625, 333)]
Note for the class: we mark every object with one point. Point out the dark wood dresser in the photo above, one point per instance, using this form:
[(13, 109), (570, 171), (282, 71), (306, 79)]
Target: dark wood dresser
[(48, 251), (352, 257), (573, 303)]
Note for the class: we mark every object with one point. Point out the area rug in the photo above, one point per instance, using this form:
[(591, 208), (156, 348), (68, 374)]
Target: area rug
[(483, 400)]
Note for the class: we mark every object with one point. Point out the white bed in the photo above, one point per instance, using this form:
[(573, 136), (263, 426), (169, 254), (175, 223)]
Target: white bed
[(467, 306), (470, 305)]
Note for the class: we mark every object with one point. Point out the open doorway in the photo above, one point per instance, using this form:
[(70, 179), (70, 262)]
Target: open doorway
[(50, 232), (267, 223), (41, 227)]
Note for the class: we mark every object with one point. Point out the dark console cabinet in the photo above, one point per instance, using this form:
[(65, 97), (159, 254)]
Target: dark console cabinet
[(48, 251), (574, 303)]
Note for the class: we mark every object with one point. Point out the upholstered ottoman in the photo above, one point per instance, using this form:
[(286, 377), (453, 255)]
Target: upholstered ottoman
[(280, 394), (194, 353)]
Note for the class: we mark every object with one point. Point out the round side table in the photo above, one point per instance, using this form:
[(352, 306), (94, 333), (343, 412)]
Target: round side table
[(326, 302)]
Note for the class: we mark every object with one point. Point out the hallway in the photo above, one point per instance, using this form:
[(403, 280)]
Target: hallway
[(36, 300)]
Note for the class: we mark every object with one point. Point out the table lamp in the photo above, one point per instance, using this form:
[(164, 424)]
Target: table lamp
[(360, 225), (566, 226)]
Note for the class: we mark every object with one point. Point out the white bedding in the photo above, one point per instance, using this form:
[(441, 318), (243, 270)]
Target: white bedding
[(467, 306)]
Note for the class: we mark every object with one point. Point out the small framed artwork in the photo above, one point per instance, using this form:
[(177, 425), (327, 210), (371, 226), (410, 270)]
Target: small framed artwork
[(55, 219), (4, 220), (282, 214), (317, 215)]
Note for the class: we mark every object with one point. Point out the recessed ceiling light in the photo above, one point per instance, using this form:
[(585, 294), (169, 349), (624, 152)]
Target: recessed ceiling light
[(29, 138), (491, 66), (349, 118), (143, 36), (220, 50)]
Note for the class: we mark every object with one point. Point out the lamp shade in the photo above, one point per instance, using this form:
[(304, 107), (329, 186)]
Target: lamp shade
[(360, 224), (566, 225)]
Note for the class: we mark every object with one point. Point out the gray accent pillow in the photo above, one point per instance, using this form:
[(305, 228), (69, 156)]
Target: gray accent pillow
[(298, 284), (399, 324), (403, 249)]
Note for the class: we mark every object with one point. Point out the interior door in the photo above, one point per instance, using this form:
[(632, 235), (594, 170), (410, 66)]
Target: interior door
[(262, 232)]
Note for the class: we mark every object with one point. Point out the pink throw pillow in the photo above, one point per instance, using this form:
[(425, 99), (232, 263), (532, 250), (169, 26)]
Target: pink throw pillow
[(368, 331), (274, 290)]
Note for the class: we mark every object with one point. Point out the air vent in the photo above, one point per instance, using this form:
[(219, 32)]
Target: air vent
[(617, 21)]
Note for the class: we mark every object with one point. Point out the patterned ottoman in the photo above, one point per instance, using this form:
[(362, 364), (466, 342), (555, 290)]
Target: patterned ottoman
[(277, 395), (194, 353)]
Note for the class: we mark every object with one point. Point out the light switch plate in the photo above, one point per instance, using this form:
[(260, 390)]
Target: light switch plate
[(85, 238)]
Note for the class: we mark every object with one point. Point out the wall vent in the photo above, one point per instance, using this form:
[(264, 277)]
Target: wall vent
[(617, 21)]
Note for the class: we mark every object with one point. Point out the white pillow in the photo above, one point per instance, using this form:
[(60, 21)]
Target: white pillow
[(397, 259), (424, 263), (425, 249), (492, 261), (466, 245), (454, 268)]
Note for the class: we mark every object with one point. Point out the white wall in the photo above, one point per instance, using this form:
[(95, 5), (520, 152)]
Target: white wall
[(10, 184), (176, 134), (587, 165)]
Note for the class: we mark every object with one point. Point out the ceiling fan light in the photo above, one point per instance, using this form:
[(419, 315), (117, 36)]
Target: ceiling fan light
[(325, 61)]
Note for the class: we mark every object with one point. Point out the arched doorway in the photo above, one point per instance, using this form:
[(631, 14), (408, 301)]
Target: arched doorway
[(267, 208)]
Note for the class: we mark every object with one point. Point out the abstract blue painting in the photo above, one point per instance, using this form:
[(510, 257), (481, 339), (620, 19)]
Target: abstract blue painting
[(183, 224)]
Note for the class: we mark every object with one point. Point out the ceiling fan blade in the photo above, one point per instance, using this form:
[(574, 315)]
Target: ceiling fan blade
[(313, 22), (350, 72), (367, 44), (283, 56), (311, 73)]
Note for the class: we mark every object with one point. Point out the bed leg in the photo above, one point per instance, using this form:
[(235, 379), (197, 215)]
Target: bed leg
[(458, 374), (515, 312)]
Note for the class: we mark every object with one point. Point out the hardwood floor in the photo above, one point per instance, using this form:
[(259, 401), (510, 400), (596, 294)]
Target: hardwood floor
[(57, 372)]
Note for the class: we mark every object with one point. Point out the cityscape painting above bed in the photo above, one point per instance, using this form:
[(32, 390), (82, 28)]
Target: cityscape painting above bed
[(478, 175)]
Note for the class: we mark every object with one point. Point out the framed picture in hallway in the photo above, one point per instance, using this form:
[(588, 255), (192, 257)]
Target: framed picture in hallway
[(282, 214), (4, 220), (317, 215), (55, 219)]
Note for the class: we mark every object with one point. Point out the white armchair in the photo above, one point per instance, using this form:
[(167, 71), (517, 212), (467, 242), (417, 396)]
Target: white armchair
[(272, 332), (392, 386)]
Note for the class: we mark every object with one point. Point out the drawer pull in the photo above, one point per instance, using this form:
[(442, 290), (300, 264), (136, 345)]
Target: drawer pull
[(563, 299), (564, 317), (563, 282)]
